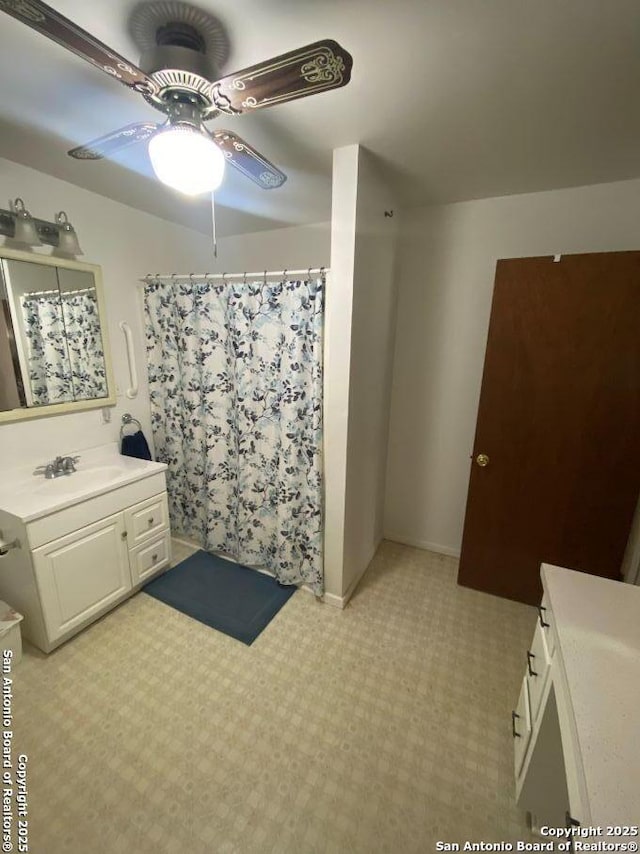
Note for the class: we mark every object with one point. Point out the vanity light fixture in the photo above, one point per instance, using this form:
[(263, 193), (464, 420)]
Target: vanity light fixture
[(18, 224), (25, 230), (67, 237)]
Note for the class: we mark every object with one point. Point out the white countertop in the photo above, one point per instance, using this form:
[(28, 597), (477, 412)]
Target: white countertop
[(598, 632), (99, 470)]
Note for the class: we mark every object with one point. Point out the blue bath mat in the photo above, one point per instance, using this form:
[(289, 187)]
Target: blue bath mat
[(229, 597)]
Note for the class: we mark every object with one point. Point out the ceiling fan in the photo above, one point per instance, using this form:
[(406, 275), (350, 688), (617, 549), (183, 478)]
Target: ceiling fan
[(183, 49)]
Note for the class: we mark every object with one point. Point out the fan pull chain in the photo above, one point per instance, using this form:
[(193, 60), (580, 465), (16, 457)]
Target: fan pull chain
[(213, 226)]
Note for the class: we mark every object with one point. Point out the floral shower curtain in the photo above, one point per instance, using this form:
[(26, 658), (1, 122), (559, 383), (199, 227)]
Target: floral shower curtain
[(47, 356), (235, 376), (65, 351), (84, 343)]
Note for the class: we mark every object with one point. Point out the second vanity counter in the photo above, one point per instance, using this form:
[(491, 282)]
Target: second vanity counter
[(577, 755)]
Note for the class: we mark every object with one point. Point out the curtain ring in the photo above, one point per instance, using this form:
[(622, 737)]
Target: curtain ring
[(244, 279), (224, 279), (191, 275), (284, 275), (322, 272), (265, 277)]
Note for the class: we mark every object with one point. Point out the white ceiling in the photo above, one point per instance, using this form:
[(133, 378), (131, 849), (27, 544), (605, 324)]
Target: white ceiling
[(459, 99)]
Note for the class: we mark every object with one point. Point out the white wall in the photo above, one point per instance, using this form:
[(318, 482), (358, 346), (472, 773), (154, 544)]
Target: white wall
[(447, 258), (337, 361), (294, 248), (127, 244), (372, 339), (358, 354)]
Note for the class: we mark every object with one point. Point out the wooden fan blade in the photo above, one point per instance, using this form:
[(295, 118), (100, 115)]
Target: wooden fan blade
[(247, 160), (311, 69), (105, 145), (55, 26)]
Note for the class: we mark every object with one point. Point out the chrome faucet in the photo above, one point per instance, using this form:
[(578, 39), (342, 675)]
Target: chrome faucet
[(60, 466)]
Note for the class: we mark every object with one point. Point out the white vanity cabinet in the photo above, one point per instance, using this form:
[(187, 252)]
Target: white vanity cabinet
[(538, 663), (75, 562), (580, 762), (80, 575), (521, 726)]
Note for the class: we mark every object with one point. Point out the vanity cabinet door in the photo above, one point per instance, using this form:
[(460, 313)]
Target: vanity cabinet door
[(83, 574)]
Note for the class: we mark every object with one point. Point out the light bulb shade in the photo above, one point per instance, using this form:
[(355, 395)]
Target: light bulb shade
[(67, 237), (68, 240), (25, 228), (184, 158)]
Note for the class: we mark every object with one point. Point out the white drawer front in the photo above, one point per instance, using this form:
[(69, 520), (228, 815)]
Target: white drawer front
[(521, 727), (537, 669), (546, 617), (149, 558), (147, 519), (84, 513)]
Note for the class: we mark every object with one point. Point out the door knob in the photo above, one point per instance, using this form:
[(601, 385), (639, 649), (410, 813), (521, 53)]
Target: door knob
[(482, 460)]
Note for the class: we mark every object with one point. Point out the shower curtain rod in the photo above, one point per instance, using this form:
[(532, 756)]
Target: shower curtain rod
[(59, 293), (261, 274)]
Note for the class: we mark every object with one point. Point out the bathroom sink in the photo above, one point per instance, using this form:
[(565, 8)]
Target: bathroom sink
[(79, 480), (100, 470)]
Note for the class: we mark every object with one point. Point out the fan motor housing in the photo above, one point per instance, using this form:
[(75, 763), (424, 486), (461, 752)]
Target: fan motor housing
[(179, 57), (183, 48), (182, 71)]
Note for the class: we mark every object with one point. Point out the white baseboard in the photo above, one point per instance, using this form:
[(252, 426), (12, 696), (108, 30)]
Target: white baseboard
[(328, 598), (183, 541), (333, 600), (341, 601), (422, 544)]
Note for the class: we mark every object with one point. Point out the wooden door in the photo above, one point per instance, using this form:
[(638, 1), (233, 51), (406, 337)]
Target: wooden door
[(559, 420)]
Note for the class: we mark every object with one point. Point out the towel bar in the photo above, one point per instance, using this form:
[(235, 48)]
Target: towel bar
[(128, 419), (131, 356)]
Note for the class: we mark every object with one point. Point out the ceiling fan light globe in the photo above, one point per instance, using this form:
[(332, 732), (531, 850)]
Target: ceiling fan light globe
[(187, 160)]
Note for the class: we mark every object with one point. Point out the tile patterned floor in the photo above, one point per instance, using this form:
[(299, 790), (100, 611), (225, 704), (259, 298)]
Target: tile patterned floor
[(382, 728)]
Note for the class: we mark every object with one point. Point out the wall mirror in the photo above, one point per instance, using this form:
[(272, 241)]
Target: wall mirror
[(54, 349)]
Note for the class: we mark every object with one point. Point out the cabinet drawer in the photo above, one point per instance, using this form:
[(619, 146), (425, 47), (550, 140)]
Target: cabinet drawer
[(521, 727), (147, 519), (546, 617), (84, 513), (147, 559), (537, 669)]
